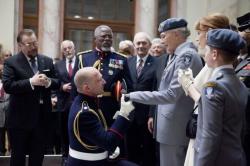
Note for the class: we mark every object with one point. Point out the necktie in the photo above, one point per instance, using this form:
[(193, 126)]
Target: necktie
[(33, 65), (70, 68), (139, 67)]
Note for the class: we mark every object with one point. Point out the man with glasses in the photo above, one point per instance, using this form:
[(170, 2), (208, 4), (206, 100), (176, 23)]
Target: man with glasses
[(28, 77)]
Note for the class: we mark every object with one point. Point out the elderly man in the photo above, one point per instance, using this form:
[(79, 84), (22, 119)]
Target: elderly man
[(157, 47), (112, 65), (64, 72), (174, 107), (143, 69), (28, 77), (89, 137)]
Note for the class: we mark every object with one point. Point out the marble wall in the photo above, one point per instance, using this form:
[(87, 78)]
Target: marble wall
[(7, 30), (50, 27), (192, 10)]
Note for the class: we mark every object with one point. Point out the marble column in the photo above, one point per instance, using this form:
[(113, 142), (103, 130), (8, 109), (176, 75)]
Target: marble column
[(50, 27), (146, 16)]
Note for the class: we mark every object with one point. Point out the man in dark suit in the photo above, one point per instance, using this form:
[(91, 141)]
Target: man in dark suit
[(28, 77), (64, 72), (141, 145)]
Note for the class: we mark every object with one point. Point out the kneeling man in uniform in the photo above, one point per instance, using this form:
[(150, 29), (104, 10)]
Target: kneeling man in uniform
[(90, 140)]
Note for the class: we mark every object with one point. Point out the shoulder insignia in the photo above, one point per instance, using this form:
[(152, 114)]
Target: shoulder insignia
[(83, 52), (121, 54), (210, 84)]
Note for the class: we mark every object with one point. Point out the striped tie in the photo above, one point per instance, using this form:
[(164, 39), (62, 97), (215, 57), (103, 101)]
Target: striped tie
[(139, 67)]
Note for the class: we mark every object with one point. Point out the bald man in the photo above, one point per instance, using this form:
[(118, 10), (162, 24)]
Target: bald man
[(90, 140)]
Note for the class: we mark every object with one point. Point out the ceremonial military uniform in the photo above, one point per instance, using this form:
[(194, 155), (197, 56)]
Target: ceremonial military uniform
[(90, 141), (113, 67), (243, 72)]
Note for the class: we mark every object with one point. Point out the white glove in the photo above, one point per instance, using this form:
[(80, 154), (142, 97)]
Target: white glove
[(185, 78), (115, 153), (126, 108)]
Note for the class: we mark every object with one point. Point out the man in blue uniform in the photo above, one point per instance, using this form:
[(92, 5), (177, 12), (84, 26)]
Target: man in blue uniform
[(222, 105), (89, 138), (112, 65)]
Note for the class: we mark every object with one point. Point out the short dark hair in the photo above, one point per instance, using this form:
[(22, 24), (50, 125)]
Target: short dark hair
[(227, 57), (23, 32)]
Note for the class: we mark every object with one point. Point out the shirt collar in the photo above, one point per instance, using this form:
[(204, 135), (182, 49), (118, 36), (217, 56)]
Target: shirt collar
[(73, 60), (144, 58), (217, 69)]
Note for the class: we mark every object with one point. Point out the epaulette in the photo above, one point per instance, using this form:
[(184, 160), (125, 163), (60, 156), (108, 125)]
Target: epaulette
[(83, 52), (210, 84), (121, 54)]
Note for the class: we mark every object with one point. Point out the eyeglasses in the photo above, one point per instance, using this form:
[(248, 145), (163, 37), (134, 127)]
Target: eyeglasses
[(34, 44)]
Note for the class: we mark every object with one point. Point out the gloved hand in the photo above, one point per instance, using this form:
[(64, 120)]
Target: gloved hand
[(185, 78), (126, 108), (115, 154)]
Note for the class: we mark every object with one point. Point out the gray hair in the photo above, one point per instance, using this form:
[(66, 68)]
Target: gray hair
[(143, 34), (184, 31), (156, 41), (69, 41), (99, 29)]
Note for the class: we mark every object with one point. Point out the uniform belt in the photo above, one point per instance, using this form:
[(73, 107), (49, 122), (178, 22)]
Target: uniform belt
[(105, 94), (88, 156)]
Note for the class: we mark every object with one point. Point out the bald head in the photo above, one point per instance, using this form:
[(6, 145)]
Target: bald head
[(89, 81), (84, 76)]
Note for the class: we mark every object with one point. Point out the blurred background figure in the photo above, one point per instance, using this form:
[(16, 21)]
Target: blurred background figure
[(243, 72), (5, 55), (4, 101), (126, 47), (64, 72), (157, 47)]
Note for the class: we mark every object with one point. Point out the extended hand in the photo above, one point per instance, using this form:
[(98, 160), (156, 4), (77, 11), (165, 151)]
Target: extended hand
[(185, 78), (126, 108)]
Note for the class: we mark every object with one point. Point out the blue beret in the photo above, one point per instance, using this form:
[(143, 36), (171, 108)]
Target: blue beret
[(226, 40), (172, 23)]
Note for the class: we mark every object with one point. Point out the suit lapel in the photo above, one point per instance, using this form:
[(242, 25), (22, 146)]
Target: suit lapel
[(40, 62), (64, 69), (132, 67), (146, 66), (25, 64)]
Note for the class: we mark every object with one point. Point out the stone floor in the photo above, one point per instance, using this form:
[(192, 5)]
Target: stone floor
[(49, 160)]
